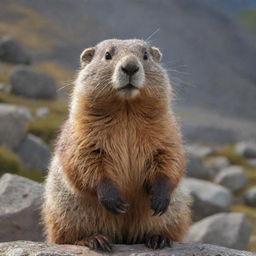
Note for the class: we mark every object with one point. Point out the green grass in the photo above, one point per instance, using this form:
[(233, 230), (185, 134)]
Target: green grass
[(9, 162), (59, 73), (229, 152), (34, 175), (47, 128)]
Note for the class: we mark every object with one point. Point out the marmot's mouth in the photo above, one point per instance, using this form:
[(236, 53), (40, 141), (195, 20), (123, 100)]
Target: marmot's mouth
[(128, 87)]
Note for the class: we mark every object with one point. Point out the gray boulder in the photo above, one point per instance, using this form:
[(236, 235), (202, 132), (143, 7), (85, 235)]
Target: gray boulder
[(2, 87), (199, 150), (20, 201), (250, 197), (11, 51), (232, 177), (217, 163), (34, 153), (246, 149), (225, 229), (252, 162), (32, 84), (28, 248), (13, 120), (208, 198), (42, 112), (196, 167)]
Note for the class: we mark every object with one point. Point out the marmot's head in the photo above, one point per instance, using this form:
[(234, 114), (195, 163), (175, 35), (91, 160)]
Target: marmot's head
[(124, 69)]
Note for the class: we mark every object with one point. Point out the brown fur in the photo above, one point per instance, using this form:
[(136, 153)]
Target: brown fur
[(132, 143)]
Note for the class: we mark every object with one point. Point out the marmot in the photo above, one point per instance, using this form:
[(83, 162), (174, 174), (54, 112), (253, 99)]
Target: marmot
[(115, 174)]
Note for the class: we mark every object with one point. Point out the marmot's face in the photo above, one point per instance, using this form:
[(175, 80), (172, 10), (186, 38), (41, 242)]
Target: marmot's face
[(123, 68)]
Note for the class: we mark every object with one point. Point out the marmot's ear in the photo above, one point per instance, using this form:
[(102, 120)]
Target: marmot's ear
[(157, 55), (86, 56)]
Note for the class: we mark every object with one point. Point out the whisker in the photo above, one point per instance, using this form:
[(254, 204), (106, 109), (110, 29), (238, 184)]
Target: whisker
[(156, 31)]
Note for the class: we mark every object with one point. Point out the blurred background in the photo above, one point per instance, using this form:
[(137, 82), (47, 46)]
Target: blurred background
[(209, 50)]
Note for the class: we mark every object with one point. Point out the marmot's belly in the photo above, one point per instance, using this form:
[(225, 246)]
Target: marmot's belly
[(91, 217)]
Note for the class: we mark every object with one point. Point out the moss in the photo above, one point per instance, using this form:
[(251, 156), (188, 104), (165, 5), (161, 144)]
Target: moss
[(61, 74), (9, 162), (35, 175), (230, 154), (4, 78), (47, 128)]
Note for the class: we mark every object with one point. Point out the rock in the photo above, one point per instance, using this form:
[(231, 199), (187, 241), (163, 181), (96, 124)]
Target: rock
[(196, 167), (246, 149), (32, 84), (208, 198), (13, 120), (42, 112), (28, 248), (217, 163), (252, 162), (20, 201), (199, 150), (250, 197), (225, 229), (232, 177), (34, 153), (11, 51), (2, 87)]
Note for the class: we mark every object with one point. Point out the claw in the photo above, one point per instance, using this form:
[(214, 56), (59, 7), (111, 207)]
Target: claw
[(157, 242), (99, 242), (104, 244), (159, 206)]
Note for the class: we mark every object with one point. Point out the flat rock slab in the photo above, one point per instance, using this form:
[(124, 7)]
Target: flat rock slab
[(22, 248)]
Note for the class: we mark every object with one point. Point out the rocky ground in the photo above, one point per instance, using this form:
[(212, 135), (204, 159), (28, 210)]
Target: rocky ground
[(221, 178), (21, 248)]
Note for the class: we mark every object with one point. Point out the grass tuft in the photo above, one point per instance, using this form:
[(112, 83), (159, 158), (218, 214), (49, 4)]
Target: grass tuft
[(9, 162)]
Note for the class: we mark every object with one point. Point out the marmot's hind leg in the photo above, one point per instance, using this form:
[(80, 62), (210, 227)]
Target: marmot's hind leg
[(96, 242)]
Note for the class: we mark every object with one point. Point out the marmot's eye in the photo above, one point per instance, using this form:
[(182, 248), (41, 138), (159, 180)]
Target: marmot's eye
[(145, 56), (108, 56)]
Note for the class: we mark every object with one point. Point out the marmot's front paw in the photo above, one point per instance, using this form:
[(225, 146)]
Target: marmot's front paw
[(159, 204), (108, 195), (160, 194)]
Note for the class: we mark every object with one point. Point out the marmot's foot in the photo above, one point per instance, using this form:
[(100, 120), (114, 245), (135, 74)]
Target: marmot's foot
[(95, 242), (158, 242)]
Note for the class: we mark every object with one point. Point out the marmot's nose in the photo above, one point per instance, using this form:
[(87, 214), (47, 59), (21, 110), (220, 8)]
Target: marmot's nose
[(130, 69)]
